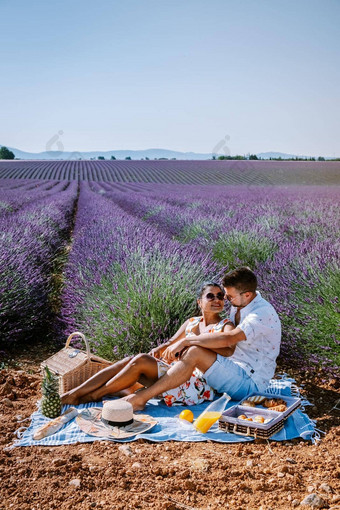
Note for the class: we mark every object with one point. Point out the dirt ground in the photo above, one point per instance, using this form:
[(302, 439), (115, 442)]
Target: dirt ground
[(103, 475)]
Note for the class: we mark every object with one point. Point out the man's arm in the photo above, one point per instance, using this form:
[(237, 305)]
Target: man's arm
[(219, 340), (225, 351)]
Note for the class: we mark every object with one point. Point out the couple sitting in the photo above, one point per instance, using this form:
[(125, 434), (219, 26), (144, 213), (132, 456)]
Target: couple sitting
[(207, 354)]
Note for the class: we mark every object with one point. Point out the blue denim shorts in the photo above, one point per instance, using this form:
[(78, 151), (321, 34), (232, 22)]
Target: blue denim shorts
[(226, 376)]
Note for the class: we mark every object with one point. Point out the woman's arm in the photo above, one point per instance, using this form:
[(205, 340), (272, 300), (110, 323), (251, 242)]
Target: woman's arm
[(225, 351), (158, 351)]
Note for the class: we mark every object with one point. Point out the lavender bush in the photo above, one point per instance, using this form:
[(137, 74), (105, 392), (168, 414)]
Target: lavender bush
[(127, 286)]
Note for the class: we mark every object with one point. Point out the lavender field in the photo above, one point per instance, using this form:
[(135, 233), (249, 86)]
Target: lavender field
[(121, 262), (204, 172)]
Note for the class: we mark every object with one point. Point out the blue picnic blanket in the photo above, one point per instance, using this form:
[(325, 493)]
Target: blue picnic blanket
[(170, 428)]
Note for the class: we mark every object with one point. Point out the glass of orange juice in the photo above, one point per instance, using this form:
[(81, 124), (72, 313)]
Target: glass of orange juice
[(206, 420), (212, 413)]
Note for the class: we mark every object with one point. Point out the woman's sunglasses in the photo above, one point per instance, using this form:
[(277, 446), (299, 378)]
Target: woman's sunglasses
[(210, 296)]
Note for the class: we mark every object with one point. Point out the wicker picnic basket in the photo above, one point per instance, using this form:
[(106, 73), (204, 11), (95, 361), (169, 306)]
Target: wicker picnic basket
[(74, 366), (251, 431), (229, 421)]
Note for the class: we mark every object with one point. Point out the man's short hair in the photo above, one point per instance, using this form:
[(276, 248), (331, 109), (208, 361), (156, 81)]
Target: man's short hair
[(242, 278)]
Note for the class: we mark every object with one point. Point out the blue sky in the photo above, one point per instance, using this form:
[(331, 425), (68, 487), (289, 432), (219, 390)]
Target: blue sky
[(175, 74)]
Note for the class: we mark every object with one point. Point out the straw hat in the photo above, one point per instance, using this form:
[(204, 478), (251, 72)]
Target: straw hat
[(114, 420)]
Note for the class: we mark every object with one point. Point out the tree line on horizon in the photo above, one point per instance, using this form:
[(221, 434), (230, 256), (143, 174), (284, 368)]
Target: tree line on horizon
[(5, 153)]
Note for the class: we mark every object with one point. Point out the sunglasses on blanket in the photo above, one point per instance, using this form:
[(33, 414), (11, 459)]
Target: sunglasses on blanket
[(210, 296)]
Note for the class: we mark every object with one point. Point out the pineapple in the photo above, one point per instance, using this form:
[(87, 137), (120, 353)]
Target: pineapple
[(50, 403)]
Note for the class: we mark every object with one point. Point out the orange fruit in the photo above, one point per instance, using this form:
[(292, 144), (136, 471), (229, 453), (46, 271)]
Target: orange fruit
[(187, 415)]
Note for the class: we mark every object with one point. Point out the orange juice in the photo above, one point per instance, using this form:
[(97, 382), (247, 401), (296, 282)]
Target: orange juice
[(206, 420)]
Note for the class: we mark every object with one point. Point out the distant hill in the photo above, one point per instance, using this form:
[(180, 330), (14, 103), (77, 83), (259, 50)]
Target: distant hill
[(118, 154), (133, 154)]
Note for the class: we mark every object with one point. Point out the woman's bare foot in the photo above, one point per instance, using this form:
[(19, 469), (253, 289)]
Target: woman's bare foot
[(138, 403)]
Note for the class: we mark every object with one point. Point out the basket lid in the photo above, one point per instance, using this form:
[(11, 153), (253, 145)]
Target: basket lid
[(65, 360)]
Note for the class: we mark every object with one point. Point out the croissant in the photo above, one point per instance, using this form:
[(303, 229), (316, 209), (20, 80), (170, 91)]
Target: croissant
[(248, 403), (280, 409), (259, 419), (271, 402)]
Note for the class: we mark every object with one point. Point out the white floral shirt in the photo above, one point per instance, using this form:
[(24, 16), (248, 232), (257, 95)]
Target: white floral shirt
[(262, 327)]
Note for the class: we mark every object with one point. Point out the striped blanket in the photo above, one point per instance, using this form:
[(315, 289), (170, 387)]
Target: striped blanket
[(169, 428)]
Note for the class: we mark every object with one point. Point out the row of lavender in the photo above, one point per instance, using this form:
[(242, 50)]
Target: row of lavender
[(290, 237), (34, 228), (15, 194)]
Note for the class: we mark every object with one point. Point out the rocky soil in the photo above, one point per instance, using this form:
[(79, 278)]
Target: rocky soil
[(103, 475)]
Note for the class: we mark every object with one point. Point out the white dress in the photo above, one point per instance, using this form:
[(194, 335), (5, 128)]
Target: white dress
[(196, 390)]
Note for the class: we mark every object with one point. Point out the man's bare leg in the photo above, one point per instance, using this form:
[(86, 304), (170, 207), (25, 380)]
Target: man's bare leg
[(96, 381), (143, 369), (179, 373)]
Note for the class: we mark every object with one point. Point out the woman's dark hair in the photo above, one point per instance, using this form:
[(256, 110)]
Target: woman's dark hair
[(206, 284), (242, 279)]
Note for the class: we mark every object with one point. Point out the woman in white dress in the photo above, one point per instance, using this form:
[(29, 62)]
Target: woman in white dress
[(130, 374)]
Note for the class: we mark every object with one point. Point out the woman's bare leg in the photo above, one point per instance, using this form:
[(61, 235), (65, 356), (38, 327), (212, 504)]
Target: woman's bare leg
[(95, 382), (142, 369), (180, 372)]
